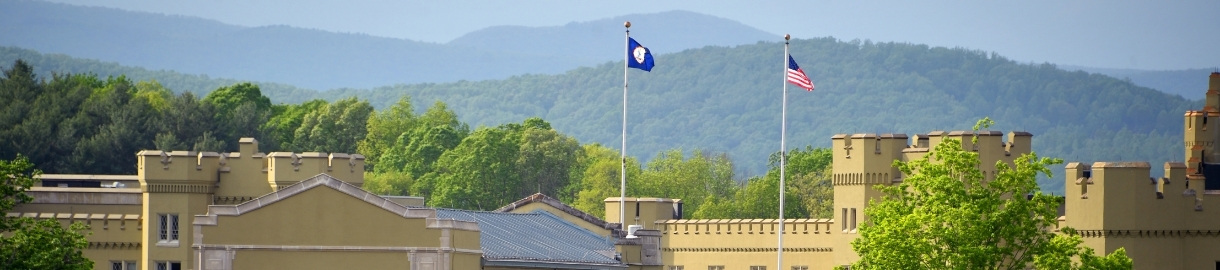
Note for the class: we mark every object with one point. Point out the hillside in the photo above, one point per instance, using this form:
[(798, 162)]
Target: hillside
[(326, 60), (728, 100), (724, 99)]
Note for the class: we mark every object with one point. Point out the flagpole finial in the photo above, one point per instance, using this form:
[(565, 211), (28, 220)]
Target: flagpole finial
[(787, 37), (627, 24)]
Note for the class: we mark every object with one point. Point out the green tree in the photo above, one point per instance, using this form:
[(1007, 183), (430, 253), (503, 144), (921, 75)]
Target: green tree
[(946, 215), (285, 120), (672, 175), (599, 178), (26, 243), (480, 173), (227, 99), (384, 129), (545, 160), (336, 127), (809, 173), (185, 122)]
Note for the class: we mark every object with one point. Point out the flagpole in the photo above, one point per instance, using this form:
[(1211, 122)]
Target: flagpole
[(783, 156), (622, 200)]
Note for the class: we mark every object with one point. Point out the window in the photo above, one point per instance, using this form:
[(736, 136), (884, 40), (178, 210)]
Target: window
[(800, 267), (675, 267), (169, 266), (853, 220), (715, 267), (758, 267), (169, 227), (844, 219), (123, 265)]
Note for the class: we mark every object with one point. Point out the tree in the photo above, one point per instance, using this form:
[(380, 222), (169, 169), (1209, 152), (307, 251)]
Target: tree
[(545, 160), (335, 127), (599, 178), (809, 173), (384, 129), (285, 120), (947, 215), (226, 99), (26, 243), (693, 179), (480, 173)]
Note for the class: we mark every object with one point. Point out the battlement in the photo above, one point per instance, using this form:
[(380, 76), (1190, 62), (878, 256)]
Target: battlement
[(239, 176), (743, 226), (810, 236), (873, 154), (1123, 195)]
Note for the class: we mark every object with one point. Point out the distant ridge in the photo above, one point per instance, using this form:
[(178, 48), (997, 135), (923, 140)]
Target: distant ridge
[(594, 42), (1183, 82), (47, 65), (327, 60)]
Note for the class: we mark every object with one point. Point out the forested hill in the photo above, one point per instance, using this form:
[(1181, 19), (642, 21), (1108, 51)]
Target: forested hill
[(324, 60), (724, 99), (728, 99), (46, 65)]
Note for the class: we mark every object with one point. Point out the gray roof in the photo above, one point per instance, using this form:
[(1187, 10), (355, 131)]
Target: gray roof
[(537, 239)]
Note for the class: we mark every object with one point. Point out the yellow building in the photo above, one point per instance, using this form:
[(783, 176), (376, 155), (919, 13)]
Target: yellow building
[(1163, 223), (249, 210)]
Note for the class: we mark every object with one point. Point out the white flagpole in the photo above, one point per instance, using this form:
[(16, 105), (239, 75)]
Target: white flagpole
[(783, 156), (622, 200)]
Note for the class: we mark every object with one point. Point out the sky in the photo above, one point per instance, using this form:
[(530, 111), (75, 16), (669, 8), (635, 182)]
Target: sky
[(1129, 34)]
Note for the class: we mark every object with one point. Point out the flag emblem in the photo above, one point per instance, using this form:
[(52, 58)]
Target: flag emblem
[(641, 55), (639, 52), (797, 76)]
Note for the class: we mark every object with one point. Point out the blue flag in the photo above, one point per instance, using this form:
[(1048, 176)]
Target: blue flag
[(638, 56)]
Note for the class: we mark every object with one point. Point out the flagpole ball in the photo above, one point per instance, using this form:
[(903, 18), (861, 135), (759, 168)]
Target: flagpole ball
[(787, 37), (627, 24)]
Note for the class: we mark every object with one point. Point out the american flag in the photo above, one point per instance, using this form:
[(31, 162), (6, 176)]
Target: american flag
[(796, 75)]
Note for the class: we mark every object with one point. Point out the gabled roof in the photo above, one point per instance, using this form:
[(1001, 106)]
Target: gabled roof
[(547, 200), (326, 181), (538, 239)]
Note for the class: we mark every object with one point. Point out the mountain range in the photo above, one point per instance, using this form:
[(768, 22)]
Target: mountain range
[(325, 60)]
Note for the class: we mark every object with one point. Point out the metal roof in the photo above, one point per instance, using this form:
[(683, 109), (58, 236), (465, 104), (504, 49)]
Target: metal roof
[(539, 239)]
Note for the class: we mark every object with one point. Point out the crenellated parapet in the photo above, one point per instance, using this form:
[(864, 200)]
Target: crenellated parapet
[(287, 168), (240, 176), (1122, 196), (678, 227), (867, 159), (177, 171)]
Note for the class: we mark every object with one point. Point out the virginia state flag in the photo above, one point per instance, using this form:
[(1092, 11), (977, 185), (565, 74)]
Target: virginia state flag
[(638, 56)]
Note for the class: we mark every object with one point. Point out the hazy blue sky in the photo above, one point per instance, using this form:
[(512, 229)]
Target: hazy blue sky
[(1172, 34)]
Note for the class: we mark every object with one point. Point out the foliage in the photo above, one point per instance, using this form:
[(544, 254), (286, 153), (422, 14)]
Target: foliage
[(45, 244), (16, 176), (599, 177), (26, 243), (335, 127), (946, 214), (480, 173)]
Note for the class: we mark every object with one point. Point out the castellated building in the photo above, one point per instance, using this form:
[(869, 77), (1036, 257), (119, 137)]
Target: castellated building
[(250, 210)]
